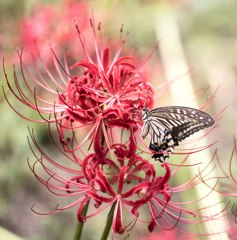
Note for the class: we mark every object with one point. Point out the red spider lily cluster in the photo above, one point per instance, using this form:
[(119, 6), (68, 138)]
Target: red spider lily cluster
[(107, 94)]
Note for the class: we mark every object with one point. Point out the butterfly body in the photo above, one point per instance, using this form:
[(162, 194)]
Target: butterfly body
[(171, 125)]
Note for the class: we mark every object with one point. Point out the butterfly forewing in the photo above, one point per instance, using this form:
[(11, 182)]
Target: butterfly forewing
[(182, 113), (170, 125)]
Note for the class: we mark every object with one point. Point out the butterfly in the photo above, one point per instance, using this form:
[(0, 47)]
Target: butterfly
[(171, 125)]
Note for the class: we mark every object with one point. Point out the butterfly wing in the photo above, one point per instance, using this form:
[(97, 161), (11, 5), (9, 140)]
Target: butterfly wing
[(170, 125), (161, 140)]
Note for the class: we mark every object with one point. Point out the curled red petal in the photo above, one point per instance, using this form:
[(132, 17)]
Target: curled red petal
[(131, 147), (167, 176), (140, 202), (117, 219), (121, 179), (100, 184), (120, 60), (151, 226), (96, 197), (167, 196), (106, 58), (86, 64), (134, 189), (80, 209), (78, 115), (77, 178), (160, 181), (106, 82), (105, 182)]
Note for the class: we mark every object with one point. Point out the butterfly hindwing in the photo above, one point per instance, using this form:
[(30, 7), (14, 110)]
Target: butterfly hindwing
[(170, 125)]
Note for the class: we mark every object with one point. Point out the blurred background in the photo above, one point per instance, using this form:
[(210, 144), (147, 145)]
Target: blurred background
[(201, 35)]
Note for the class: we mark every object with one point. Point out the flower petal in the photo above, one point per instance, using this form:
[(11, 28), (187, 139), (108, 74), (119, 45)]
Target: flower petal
[(117, 219), (121, 179), (134, 189), (102, 177), (80, 209)]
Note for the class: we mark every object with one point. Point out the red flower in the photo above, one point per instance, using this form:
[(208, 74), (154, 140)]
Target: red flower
[(92, 180), (108, 92), (98, 176)]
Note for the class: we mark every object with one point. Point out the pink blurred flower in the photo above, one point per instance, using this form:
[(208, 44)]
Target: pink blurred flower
[(51, 23), (233, 232), (165, 235)]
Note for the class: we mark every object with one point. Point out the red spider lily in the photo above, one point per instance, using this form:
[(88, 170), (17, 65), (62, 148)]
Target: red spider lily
[(50, 23), (92, 180), (108, 93), (97, 179)]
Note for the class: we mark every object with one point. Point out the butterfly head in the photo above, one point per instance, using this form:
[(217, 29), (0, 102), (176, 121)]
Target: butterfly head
[(144, 113), (144, 109)]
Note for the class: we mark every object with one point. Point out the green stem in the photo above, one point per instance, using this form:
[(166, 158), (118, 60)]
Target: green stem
[(81, 224), (109, 223)]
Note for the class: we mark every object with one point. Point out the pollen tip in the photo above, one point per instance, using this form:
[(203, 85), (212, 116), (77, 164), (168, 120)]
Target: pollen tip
[(75, 22), (124, 39), (99, 25), (121, 29), (91, 22)]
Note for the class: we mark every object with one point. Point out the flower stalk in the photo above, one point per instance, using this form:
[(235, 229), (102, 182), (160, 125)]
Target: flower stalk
[(81, 224), (108, 223)]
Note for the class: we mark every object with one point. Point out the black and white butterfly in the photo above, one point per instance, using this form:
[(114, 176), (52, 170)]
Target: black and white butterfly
[(171, 125)]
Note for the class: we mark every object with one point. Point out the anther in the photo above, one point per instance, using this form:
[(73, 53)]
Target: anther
[(121, 29), (75, 22), (91, 22)]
